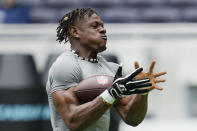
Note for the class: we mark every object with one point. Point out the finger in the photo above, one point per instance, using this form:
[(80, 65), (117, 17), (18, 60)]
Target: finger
[(140, 86), (118, 73), (147, 88), (160, 74), (159, 80), (138, 81), (157, 87), (151, 67), (133, 74), (136, 65), (129, 77)]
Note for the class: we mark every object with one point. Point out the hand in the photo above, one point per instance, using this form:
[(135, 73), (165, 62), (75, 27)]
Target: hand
[(152, 76), (124, 86)]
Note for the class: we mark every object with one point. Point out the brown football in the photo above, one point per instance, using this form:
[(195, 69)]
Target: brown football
[(91, 87)]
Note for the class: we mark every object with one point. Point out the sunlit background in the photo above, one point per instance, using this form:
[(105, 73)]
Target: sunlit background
[(138, 30)]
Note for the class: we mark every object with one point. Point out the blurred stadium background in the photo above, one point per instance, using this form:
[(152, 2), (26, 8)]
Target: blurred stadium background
[(142, 30)]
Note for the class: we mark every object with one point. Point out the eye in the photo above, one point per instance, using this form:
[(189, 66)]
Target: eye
[(95, 25)]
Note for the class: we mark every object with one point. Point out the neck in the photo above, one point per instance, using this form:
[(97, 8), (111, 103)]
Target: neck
[(84, 52), (93, 60)]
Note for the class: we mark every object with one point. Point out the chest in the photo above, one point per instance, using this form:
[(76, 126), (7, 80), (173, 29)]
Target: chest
[(90, 69)]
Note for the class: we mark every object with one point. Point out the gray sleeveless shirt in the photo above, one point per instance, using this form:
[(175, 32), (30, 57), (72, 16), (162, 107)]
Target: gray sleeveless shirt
[(67, 71)]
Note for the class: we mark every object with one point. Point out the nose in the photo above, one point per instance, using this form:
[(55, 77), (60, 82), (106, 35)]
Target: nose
[(103, 30)]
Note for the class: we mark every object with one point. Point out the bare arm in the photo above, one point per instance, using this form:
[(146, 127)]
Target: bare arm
[(77, 117), (132, 109)]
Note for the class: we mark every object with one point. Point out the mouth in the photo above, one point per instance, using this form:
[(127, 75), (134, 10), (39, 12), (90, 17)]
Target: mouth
[(104, 37)]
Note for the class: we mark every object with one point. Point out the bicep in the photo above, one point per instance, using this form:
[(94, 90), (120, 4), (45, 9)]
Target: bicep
[(64, 101)]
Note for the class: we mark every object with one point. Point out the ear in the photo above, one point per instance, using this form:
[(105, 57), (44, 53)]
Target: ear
[(74, 32)]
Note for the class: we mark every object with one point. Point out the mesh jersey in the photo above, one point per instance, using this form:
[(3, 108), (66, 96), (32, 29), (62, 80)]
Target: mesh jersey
[(67, 71)]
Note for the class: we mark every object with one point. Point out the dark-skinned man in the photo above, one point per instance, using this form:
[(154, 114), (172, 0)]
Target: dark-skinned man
[(85, 31)]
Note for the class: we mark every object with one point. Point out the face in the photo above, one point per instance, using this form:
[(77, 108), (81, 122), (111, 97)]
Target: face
[(9, 3), (92, 34)]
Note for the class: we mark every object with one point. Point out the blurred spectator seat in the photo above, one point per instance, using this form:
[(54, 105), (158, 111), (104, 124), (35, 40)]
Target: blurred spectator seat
[(42, 14), (161, 14), (22, 100), (189, 14), (181, 3), (62, 11), (100, 3), (143, 3), (121, 15), (112, 11), (62, 3), (31, 2)]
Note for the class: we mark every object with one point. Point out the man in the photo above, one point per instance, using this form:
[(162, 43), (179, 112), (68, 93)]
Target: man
[(87, 35), (12, 12)]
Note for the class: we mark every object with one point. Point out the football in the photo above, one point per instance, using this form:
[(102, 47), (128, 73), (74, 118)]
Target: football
[(91, 87)]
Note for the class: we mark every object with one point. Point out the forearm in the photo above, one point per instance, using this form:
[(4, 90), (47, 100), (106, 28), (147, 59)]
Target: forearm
[(82, 116), (133, 109), (137, 110)]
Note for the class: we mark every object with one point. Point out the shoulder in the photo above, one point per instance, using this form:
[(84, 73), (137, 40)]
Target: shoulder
[(66, 56), (64, 73), (65, 65), (64, 61)]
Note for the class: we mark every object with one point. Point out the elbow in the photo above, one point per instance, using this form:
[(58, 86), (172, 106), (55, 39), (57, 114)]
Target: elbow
[(133, 123), (74, 125), (75, 129), (71, 126)]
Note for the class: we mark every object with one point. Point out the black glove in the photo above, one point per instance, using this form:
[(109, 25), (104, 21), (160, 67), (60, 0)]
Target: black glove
[(124, 86)]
